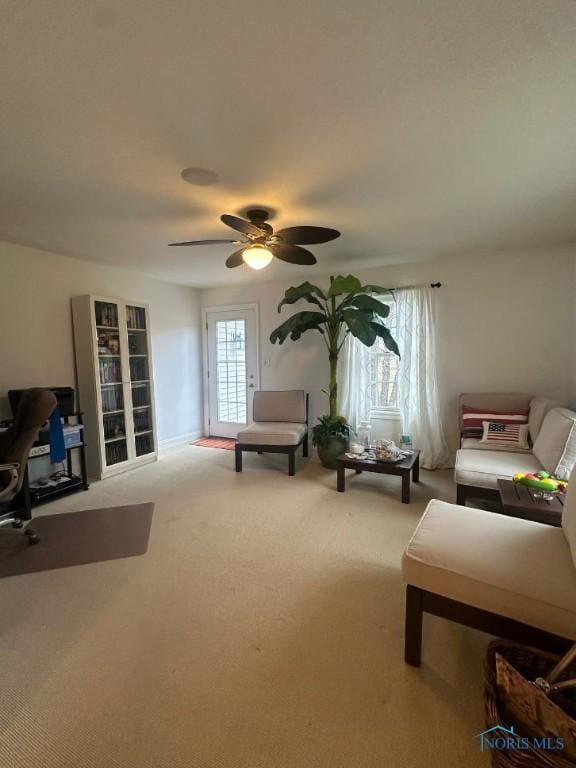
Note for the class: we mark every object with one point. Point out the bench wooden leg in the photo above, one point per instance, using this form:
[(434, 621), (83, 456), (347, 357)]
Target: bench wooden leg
[(238, 454), (413, 631), (292, 463), (461, 495), (305, 447)]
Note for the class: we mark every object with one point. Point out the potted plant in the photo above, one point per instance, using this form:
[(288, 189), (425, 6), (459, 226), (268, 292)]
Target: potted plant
[(346, 307)]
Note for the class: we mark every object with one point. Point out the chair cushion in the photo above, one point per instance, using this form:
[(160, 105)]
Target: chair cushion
[(477, 444), (569, 517), (539, 407), (508, 402), (288, 405), (553, 436), (501, 564), (272, 433), (482, 469), (473, 418)]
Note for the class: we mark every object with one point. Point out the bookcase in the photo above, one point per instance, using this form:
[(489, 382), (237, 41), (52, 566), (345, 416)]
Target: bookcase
[(115, 383)]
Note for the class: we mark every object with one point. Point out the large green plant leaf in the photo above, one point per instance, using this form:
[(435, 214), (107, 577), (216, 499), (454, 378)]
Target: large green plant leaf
[(296, 325), (362, 301), (340, 285), (379, 289), (384, 333), (360, 325), (303, 291)]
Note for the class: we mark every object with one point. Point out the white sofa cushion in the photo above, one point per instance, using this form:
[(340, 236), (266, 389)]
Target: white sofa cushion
[(501, 564), (272, 433), (539, 407), (553, 436), (483, 469), (475, 443), (569, 517)]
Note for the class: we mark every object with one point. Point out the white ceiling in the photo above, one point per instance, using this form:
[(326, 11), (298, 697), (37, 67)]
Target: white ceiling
[(417, 127)]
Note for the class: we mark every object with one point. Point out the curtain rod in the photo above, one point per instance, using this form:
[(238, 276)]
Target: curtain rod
[(404, 287)]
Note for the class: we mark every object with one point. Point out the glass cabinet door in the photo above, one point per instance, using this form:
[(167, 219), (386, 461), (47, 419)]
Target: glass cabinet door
[(111, 382), (141, 392)]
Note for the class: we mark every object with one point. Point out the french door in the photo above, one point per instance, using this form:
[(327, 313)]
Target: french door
[(232, 357)]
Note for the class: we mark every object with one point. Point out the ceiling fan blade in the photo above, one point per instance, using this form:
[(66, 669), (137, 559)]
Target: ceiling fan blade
[(235, 259), (241, 225), (307, 235), (293, 254), (208, 242)]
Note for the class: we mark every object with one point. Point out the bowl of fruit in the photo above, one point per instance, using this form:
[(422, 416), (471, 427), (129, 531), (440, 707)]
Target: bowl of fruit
[(544, 484)]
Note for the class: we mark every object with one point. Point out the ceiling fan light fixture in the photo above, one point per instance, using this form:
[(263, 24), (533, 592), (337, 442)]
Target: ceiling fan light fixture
[(257, 256), (261, 244)]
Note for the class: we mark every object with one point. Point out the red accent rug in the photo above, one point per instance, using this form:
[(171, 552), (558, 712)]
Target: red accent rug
[(216, 442)]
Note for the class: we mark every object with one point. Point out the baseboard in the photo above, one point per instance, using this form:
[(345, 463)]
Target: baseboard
[(174, 442)]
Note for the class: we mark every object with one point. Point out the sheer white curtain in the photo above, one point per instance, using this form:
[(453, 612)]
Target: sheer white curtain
[(354, 381), (417, 378), (418, 400)]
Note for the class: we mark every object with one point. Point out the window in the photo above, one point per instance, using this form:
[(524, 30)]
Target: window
[(383, 367), (231, 370)]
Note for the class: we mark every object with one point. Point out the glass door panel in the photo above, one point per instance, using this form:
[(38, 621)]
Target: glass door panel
[(111, 387), (140, 380), (231, 370)]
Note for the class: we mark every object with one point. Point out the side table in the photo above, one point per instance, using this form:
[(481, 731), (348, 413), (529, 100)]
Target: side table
[(519, 501)]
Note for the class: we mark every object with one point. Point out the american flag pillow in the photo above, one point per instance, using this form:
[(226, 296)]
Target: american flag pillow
[(473, 419), (513, 435)]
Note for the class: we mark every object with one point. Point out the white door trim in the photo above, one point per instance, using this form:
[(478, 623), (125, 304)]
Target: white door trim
[(205, 383)]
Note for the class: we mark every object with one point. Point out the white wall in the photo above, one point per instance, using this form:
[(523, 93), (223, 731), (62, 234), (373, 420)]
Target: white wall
[(571, 336), (36, 330), (502, 326)]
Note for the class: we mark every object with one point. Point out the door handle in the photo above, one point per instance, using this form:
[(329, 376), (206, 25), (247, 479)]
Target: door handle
[(251, 386)]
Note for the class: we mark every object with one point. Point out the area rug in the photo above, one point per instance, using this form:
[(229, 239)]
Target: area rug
[(216, 442), (78, 538)]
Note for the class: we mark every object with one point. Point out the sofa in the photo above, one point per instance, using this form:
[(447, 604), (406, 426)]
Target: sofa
[(507, 576), (552, 444)]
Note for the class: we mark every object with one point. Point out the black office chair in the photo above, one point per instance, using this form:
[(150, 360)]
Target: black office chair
[(34, 409)]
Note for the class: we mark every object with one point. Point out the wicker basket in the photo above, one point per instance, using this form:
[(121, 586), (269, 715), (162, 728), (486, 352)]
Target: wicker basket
[(531, 664)]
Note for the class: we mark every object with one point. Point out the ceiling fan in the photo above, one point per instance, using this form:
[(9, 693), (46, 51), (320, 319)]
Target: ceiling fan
[(262, 244)]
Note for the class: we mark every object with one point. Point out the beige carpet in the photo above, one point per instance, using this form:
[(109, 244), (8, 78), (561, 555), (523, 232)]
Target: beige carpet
[(262, 629)]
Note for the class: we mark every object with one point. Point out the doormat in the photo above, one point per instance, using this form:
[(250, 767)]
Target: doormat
[(216, 442)]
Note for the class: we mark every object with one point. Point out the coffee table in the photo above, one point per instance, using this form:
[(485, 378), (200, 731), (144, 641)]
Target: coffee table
[(411, 464), (519, 501)]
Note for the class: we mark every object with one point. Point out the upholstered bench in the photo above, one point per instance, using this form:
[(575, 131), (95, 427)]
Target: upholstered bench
[(280, 426), (510, 577)]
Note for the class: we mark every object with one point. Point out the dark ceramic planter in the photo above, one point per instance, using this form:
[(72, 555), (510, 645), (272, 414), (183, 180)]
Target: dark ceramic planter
[(330, 452)]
